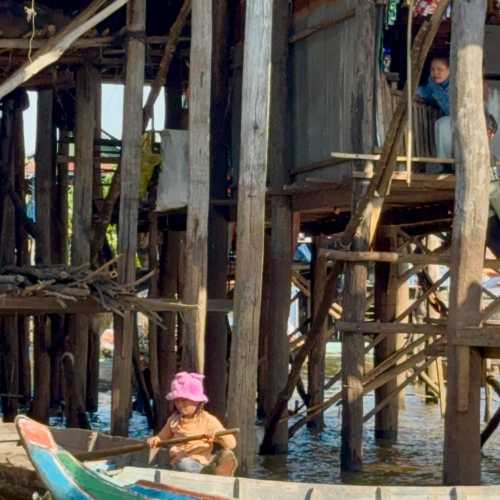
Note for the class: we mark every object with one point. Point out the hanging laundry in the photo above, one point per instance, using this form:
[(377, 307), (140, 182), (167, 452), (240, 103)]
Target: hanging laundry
[(426, 8), (391, 12)]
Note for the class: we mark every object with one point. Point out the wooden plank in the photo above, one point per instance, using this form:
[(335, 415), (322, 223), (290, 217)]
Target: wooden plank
[(39, 305), (371, 327), (129, 205), (250, 225), (399, 159), (195, 279), (57, 45), (82, 43), (485, 336), (462, 457)]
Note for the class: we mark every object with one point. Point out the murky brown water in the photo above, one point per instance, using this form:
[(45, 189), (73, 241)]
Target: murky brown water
[(415, 460)]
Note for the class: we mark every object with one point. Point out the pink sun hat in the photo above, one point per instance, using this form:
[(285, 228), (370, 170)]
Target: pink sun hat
[(187, 386)]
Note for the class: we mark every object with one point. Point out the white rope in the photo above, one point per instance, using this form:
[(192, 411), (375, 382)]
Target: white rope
[(30, 18)]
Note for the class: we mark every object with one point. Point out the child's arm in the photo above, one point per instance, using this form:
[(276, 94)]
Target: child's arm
[(228, 441), (164, 434)]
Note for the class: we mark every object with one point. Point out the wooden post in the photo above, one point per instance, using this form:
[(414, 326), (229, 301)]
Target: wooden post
[(353, 350), (363, 139), (390, 299), (250, 225), (281, 219), (77, 343), (217, 327), (316, 364), (22, 258), (9, 142), (433, 271), (171, 252), (94, 344), (264, 403), (462, 459), (170, 257), (44, 180), (200, 83), (129, 205)]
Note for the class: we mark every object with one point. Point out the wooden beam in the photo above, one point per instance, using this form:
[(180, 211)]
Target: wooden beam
[(195, 279), (82, 43), (57, 45), (39, 305), (129, 206), (462, 449), (371, 327), (250, 225)]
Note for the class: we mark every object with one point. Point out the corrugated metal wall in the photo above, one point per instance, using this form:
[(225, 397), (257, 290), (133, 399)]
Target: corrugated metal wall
[(321, 83)]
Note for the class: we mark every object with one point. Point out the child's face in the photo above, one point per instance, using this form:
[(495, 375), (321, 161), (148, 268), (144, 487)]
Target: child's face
[(440, 71), (186, 407)]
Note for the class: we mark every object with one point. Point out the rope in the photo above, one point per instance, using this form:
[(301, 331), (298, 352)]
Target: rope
[(30, 18)]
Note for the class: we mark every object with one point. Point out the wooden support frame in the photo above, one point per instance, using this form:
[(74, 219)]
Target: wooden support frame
[(57, 45)]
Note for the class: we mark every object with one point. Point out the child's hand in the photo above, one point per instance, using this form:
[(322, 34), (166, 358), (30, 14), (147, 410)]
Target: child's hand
[(210, 436), (154, 441)]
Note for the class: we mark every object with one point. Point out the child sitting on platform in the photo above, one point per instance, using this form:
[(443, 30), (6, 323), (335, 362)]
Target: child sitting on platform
[(190, 419)]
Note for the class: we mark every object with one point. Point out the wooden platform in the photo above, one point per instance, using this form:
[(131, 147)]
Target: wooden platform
[(18, 479)]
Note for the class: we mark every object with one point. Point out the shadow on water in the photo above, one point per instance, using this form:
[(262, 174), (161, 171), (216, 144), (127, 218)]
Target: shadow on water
[(416, 459)]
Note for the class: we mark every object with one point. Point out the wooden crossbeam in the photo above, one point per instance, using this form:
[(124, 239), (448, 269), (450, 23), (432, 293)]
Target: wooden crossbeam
[(370, 327), (55, 47)]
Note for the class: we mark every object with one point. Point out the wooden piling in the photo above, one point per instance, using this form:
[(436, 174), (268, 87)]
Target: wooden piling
[(44, 180), (462, 458), (391, 298), (362, 138), (9, 141), (282, 245), (78, 340), (129, 204), (316, 363), (195, 279), (217, 334), (250, 226)]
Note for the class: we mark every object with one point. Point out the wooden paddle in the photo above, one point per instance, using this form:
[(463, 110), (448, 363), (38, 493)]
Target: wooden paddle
[(131, 448)]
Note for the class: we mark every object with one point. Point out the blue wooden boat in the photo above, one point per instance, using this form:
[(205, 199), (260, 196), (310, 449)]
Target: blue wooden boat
[(68, 479)]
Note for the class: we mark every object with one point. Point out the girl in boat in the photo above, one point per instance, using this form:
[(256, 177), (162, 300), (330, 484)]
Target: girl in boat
[(190, 418)]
